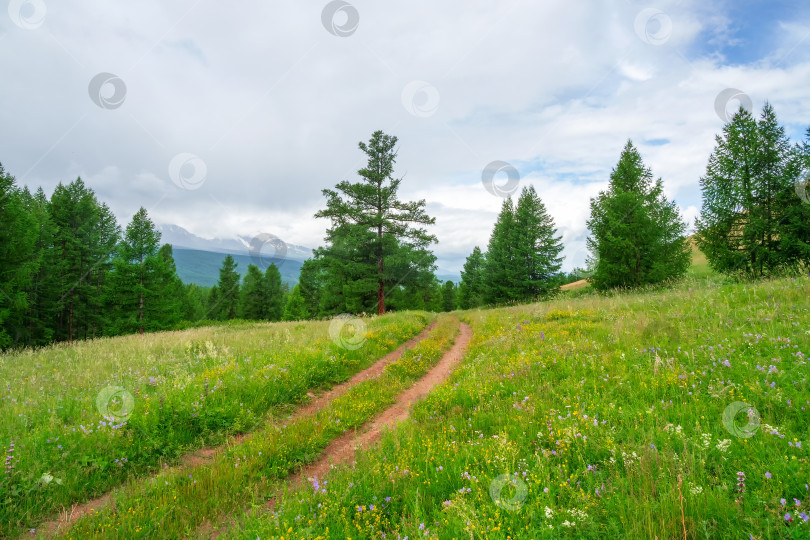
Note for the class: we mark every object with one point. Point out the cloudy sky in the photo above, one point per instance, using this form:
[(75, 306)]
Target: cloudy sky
[(230, 118)]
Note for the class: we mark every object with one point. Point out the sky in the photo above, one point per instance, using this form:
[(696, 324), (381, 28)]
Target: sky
[(230, 118)]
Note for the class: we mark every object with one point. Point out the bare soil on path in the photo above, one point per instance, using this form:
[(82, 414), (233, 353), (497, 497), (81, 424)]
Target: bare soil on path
[(206, 455)]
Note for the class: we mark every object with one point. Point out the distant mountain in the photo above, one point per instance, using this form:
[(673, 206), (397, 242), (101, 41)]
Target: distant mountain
[(179, 237), (198, 259), (202, 267)]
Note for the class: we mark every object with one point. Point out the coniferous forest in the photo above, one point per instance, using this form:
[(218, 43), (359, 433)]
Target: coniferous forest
[(69, 271)]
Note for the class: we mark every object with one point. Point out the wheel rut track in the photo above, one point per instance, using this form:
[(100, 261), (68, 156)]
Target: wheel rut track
[(203, 456), (342, 450)]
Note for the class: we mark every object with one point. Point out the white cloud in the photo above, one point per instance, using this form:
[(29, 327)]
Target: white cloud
[(275, 105)]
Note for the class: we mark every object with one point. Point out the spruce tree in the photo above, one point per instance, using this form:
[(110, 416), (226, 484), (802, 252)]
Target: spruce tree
[(295, 308), (536, 247), (471, 289), (171, 291), (42, 294), (501, 272), (194, 302), (309, 283), (274, 293), (448, 296), (637, 233), (136, 292), (228, 289), (253, 303)]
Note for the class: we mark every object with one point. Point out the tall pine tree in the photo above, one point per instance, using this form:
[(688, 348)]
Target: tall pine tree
[(370, 229)]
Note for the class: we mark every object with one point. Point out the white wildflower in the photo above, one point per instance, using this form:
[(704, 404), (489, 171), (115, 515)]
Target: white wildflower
[(724, 445)]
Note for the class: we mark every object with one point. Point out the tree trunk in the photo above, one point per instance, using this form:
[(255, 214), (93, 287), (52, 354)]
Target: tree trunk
[(140, 298), (380, 289), (70, 321)]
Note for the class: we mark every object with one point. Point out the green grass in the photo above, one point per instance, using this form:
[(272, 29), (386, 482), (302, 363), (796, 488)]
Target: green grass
[(184, 499), (576, 419), (188, 389)]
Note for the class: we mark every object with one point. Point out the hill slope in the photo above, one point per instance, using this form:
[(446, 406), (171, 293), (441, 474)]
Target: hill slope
[(202, 267)]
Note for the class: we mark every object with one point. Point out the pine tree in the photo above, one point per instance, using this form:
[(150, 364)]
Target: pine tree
[(751, 222), (274, 293), (370, 226), (228, 288), (471, 289), (536, 247), (253, 304), (637, 233), (295, 308)]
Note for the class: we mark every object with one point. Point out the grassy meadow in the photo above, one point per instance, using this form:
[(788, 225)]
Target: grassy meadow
[(78, 420), (598, 417), (668, 413)]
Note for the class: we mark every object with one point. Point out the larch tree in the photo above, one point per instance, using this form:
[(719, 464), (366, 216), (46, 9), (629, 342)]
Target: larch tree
[(752, 221)]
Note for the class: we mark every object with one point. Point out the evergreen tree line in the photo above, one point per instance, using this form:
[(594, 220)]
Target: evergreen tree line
[(754, 222), (68, 271), (637, 233)]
